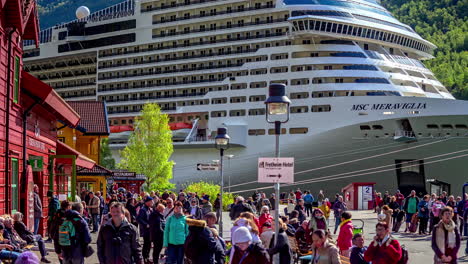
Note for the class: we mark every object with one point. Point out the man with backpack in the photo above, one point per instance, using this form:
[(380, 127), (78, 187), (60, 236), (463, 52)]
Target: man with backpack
[(73, 237), (117, 242), (56, 222), (54, 206)]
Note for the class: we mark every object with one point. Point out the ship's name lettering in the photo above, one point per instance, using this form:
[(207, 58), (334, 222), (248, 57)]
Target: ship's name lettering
[(396, 106)]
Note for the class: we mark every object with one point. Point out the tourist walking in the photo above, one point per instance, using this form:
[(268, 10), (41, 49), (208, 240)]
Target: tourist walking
[(446, 238), (53, 207), (74, 251), (174, 235), (384, 249), (200, 244), (345, 237), (157, 225), (37, 209), (282, 246), (117, 241), (308, 202), (93, 210), (423, 214), (324, 252), (144, 226), (244, 251), (338, 208), (410, 207), (357, 251)]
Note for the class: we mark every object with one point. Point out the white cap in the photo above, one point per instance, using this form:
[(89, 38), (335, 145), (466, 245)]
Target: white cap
[(242, 234)]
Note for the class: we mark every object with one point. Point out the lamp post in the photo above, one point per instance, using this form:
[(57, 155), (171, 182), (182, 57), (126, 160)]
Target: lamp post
[(229, 181), (221, 143), (277, 112)]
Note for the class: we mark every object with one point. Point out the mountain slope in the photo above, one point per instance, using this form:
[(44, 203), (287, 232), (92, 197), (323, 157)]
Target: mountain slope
[(444, 23)]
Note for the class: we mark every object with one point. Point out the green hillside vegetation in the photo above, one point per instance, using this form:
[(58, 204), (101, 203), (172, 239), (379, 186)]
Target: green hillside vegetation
[(53, 12), (444, 23)]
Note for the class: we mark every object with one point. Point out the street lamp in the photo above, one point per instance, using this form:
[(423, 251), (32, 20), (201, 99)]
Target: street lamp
[(221, 143), (229, 181), (277, 112)]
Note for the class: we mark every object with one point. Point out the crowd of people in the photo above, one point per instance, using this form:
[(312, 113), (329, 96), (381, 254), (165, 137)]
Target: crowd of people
[(182, 227)]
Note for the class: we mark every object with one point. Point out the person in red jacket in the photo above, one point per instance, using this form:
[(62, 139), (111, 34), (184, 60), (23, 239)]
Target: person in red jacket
[(264, 217), (345, 237), (384, 249)]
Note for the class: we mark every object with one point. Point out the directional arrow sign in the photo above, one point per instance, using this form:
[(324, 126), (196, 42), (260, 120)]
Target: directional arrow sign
[(207, 167), (273, 170)]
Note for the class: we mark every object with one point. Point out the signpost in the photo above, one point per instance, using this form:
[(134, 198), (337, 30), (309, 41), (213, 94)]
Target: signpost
[(207, 167), (276, 170)]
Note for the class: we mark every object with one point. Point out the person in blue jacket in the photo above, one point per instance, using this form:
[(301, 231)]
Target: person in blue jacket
[(308, 202)]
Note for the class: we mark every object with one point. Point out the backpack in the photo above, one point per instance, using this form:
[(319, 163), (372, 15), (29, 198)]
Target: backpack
[(404, 255), (55, 223), (67, 232)]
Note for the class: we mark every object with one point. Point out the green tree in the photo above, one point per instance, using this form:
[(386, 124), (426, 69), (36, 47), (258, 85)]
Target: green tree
[(149, 149), (105, 155), (210, 189)]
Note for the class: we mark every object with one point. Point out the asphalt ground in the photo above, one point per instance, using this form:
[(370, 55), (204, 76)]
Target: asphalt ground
[(418, 246)]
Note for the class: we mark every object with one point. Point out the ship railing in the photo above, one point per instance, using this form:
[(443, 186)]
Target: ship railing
[(210, 14), (193, 132), (219, 28), (225, 53), (172, 71), (183, 45)]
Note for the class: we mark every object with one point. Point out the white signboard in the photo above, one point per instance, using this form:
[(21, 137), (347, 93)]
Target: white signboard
[(367, 193), (273, 170), (207, 166)]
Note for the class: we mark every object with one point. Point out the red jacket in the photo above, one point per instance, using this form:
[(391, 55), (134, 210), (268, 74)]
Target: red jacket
[(345, 237), (263, 219), (388, 253)]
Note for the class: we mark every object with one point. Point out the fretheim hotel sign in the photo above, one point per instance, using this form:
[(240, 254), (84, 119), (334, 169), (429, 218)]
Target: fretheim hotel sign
[(395, 106), (273, 170)]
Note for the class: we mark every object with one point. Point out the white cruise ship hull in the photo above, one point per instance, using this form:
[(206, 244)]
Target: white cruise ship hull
[(336, 152)]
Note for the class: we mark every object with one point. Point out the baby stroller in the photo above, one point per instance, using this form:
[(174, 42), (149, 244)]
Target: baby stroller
[(358, 228)]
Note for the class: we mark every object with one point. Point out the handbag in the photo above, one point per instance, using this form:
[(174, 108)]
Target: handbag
[(88, 251)]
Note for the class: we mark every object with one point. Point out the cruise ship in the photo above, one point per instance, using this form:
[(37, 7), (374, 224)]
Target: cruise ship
[(364, 107)]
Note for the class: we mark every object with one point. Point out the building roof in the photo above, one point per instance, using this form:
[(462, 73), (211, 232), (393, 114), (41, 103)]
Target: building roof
[(93, 117), (81, 160), (97, 170), (50, 99)]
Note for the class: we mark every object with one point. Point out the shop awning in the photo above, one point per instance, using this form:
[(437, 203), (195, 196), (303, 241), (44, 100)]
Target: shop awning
[(49, 99), (81, 160)]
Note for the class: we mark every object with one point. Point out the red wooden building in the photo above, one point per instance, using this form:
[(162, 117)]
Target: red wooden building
[(29, 110)]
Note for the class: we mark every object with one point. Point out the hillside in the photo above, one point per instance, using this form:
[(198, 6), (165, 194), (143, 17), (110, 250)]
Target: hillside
[(52, 12), (444, 23)]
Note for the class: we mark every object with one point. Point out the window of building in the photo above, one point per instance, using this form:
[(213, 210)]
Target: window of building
[(298, 130), (272, 131), (16, 80), (14, 185), (321, 108), (256, 132)]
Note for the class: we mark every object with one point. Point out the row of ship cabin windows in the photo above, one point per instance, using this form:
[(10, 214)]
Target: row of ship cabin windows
[(429, 126), (293, 130), (345, 29), (261, 111)]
